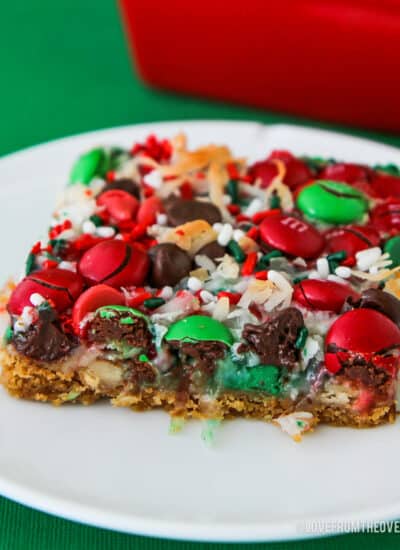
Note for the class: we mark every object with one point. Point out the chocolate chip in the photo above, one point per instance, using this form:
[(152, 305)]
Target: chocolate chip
[(44, 340), (274, 341), (121, 326), (125, 184), (170, 264), (381, 301), (180, 211), (212, 250), (203, 355)]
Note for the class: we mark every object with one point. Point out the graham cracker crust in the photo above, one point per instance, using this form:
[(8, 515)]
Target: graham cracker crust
[(25, 378)]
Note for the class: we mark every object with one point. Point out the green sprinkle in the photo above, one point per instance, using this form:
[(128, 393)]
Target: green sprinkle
[(390, 169), (301, 339), (264, 260), (30, 263), (300, 278), (153, 303), (58, 245), (209, 430), (143, 358), (72, 395), (127, 321), (98, 222), (232, 189), (300, 423), (337, 256), (332, 266), (236, 251), (8, 334), (275, 201), (176, 424)]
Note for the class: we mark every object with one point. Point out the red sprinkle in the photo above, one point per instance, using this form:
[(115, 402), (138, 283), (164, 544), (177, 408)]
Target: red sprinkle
[(233, 209), (242, 218), (138, 231), (232, 171), (186, 190), (49, 263), (260, 216), (253, 233), (138, 297), (147, 190), (233, 297), (349, 262), (249, 264), (110, 176), (36, 248), (262, 275)]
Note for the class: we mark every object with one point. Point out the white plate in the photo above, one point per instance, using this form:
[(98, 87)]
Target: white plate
[(114, 468)]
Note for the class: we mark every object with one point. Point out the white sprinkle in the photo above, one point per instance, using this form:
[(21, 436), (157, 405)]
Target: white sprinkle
[(161, 219), (221, 309), (336, 279), (36, 299), (314, 275), (343, 271), (255, 206), (67, 234), (24, 320), (89, 227), (194, 284), (105, 231), (366, 258), (154, 179), (205, 262), (207, 297), (238, 234), (166, 293), (225, 234), (218, 226), (227, 199), (323, 267)]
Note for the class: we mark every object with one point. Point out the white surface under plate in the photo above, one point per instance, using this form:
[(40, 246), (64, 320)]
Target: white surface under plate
[(118, 469)]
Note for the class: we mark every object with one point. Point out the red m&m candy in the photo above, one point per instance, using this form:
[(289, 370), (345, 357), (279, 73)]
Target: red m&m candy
[(297, 172), (323, 295), (148, 211), (120, 205), (386, 217), (114, 263), (347, 172), (386, 186), (363, 331), (292, 236), (93, 298), (351, 239), (59, 286)]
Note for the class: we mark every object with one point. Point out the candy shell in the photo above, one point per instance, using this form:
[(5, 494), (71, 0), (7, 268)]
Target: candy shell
[(385, 217), (386, 186), (120, 205), (60, 286), (109, 311), (91, 300), (297, 172), (292, 236), (148, 210), (392, 247), (323, 295), (114, 263), (346, 172), (199, 328), (363, 331), (332, 202), (351, 239), (88, 166)]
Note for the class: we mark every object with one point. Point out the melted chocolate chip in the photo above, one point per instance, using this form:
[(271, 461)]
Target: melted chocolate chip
[(359, 370), (180, 211), (274, 341), (125, 184), (204, 354), (44, 340), (381, 301), (121, 326), (141, 372), (212, 250), (170, 264)]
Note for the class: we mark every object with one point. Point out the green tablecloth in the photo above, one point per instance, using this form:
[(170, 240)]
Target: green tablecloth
[(64, 70)]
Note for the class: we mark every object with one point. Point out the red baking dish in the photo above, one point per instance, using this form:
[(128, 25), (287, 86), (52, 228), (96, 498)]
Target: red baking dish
[(335, 60)]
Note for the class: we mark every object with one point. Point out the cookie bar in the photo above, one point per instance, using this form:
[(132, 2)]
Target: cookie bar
[(212, 288)]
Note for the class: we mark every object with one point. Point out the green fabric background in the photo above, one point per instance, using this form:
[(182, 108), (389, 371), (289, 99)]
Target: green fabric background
[(64, 69)]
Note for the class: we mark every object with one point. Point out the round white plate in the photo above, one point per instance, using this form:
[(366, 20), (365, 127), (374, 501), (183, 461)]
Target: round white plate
[(118, 469)]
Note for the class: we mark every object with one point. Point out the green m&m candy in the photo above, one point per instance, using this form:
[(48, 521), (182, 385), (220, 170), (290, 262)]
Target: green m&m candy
[(88, 166), (264, 378), (332, 202), (392, 247), (126, 313), (197, 328)]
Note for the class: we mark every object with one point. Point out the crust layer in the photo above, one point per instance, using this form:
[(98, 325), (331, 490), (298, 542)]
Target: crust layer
[(27, 379)]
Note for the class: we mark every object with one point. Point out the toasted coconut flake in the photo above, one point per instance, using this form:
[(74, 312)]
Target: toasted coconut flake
[(218, 177), (228, 268), (191, 236), (248, 244), (380, 276), (221, 309), (201, 274), (296, 424), (283, 192), (205, 262)]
